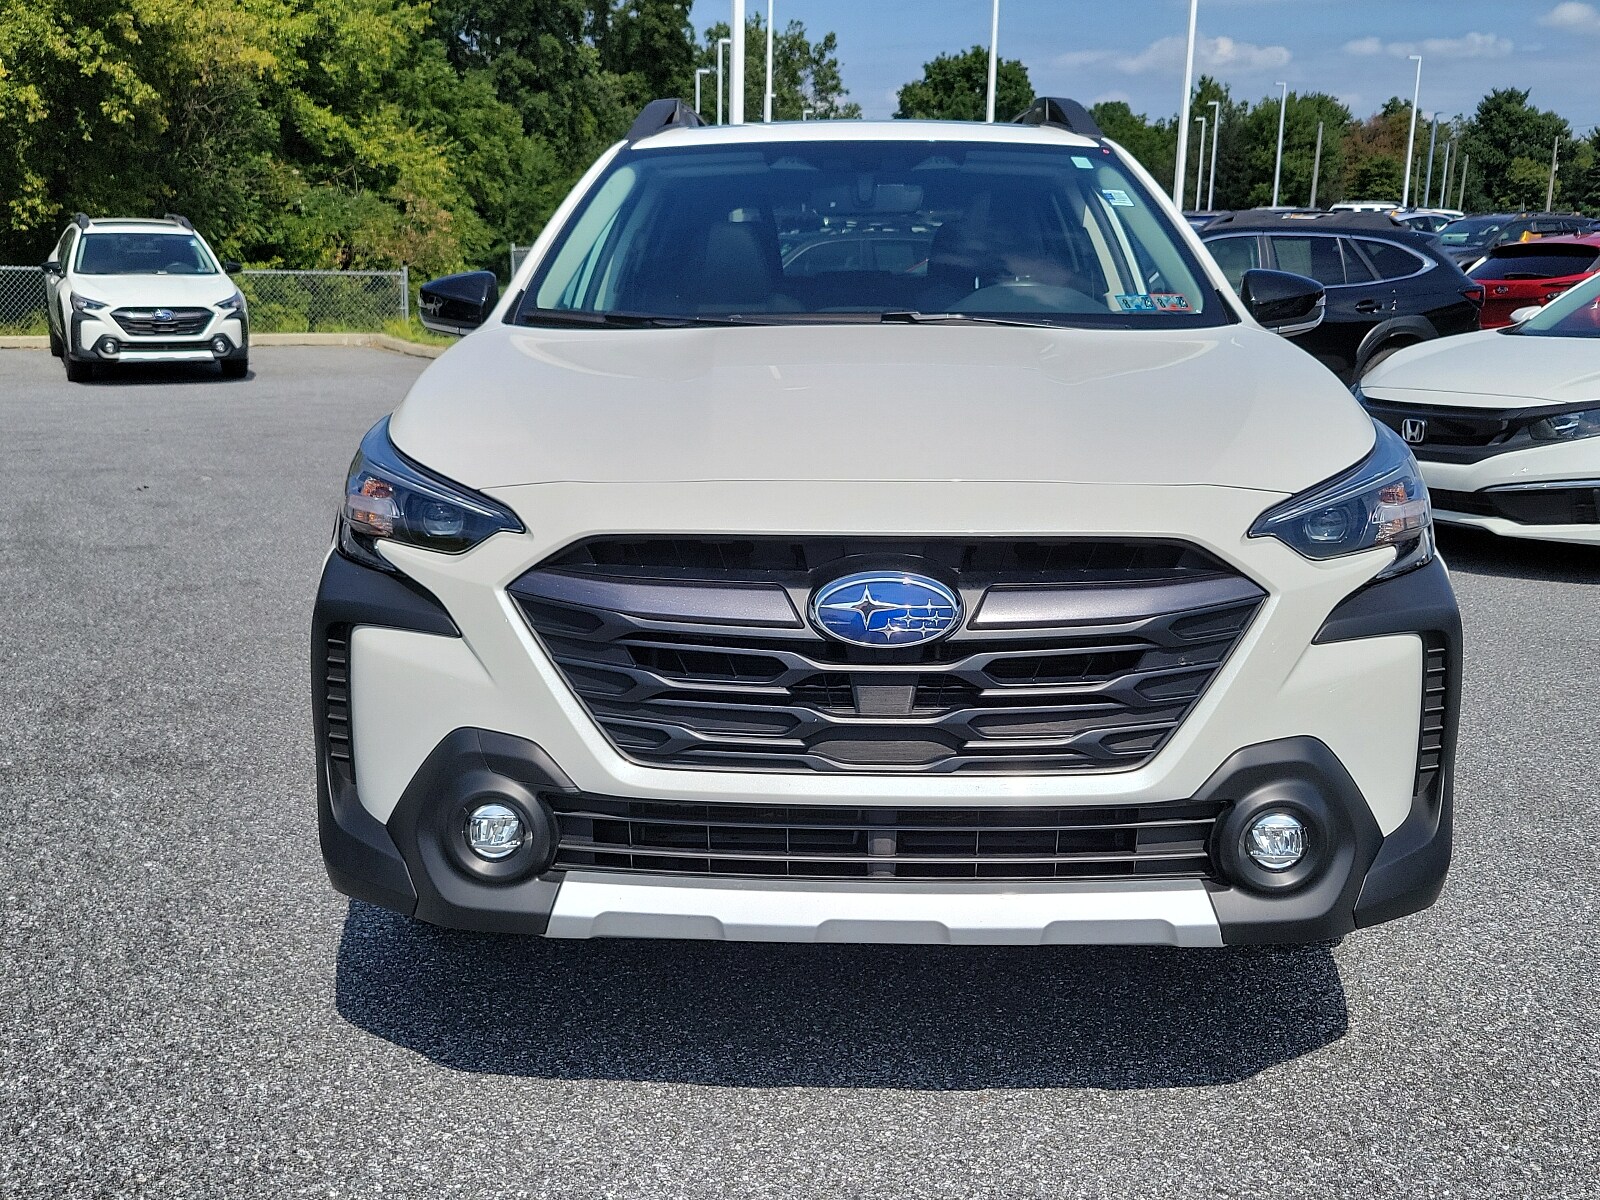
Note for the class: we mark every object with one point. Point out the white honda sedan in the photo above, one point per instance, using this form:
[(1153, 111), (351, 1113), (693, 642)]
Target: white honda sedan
[(1506, 423)]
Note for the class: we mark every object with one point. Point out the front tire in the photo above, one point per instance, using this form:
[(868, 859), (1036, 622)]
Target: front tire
[(235, 368), (56, 348), (79, 372)]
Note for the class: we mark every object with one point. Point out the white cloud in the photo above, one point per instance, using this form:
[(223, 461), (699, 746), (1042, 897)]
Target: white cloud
[(1470, 45), (1167, 54), (1573, 17)]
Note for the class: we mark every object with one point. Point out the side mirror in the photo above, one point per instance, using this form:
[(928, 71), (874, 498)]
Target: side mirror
[(51, 268), (229, 267), (1284, 303), (1525, 314), (458, 304)]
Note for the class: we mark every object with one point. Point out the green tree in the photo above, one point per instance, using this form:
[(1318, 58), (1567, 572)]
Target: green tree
[(1506, 128), (1153, 143), (805, 74), (955, 87)]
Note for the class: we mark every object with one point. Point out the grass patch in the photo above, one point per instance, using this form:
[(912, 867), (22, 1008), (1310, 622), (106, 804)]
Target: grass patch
[(412, 330)]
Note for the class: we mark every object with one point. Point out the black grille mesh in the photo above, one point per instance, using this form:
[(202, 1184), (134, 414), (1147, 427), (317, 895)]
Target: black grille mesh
[(673, 838)]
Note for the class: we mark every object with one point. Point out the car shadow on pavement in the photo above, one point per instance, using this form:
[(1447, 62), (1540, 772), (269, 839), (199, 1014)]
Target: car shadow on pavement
[(1544, 562), (760, 1015), (163, 374)]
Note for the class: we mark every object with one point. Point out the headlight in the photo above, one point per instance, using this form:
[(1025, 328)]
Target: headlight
[(234, 303), (388, 497), (1567, 426), (1382, 502), (83, 304)]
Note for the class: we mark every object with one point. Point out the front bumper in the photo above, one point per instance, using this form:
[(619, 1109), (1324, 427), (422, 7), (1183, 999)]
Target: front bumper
[(89, 334), (1386, 824)]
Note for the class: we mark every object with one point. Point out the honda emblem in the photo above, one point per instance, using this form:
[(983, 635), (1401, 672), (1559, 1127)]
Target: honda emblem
[(1415, 432)]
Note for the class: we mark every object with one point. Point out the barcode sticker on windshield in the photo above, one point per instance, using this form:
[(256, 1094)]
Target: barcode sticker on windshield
[(1171, 301), (1137, 303), (1118, 197)]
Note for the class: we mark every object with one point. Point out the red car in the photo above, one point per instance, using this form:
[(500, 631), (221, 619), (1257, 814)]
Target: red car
[(1526, 274)]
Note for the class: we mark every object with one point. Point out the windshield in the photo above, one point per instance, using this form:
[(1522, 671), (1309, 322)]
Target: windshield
[(1576, 314), (144, 254), (1473, 231), (848, 231)]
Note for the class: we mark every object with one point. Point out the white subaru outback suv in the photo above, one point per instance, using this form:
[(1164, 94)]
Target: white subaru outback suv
[(990, 575), (137, 291)]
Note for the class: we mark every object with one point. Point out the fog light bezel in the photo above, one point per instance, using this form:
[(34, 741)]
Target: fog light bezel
[(1231, 847), (107, 347), (221, 346), (532, 857)]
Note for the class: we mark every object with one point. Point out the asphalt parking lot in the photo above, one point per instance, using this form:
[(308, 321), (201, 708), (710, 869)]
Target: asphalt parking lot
[(188, 1010)]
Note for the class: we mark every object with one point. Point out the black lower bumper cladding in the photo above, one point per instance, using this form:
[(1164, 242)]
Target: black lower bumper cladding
[(412, 863)]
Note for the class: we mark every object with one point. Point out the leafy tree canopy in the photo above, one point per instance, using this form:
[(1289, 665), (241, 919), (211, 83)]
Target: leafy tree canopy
[(955, 87)]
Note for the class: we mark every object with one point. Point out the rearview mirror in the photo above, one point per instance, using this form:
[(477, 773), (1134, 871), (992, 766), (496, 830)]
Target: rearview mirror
[(1525, 314), (1284, 303), (458, 304), (50, 268), (229, 267)]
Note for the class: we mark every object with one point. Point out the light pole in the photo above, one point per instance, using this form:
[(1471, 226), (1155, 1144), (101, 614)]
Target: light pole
[(806, 111), (1555, 159), (1411, 142), (994, 59), (1466, 162), (1433, 144), (722, 45), (1181, 168), (1200, 163), (1444, 187), (1277, 171), (766, 101), (736, 91), (699, 72), (1316, 167), (1216, 136)]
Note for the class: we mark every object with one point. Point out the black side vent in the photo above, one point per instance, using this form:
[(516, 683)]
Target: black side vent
[(1435, 703), (336, 690)]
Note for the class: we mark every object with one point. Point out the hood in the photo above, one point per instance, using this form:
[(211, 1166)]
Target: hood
[(1233, 407), (1492, 369), (153, 291)]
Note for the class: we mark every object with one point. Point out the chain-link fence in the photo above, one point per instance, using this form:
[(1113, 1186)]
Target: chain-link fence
[(279, 301), (22, 300), (325, 301)]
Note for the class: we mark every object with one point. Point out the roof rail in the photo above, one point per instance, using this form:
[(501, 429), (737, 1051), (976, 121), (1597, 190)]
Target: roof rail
[(659, 115), (1061, 113), (81, 220), (180, 219)]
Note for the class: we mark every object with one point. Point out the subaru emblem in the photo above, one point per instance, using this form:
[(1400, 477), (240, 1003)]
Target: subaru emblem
[(883, 608), (161, 315), (1415, 432)]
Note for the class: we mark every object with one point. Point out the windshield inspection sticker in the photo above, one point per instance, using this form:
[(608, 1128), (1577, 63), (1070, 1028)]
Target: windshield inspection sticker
[(1118, 197), (1171, 302), (1083, 164), (1137, 303)]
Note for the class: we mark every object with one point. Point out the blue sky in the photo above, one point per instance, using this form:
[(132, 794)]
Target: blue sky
[(1133, 49)]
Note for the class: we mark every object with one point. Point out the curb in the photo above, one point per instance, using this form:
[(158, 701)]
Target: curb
[(371, 341)]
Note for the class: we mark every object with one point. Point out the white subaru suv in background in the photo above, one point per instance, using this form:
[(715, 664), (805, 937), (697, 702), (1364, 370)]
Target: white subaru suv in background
[(142, 291), (987, 575)]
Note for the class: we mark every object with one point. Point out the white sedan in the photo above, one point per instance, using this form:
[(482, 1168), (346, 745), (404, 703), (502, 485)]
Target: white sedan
[(1506, 423)]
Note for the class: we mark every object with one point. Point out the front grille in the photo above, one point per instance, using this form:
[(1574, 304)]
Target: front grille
[(1526, 506), (141, 322), (336, 691), (1464, 435), (1075, 656), (659, 837)]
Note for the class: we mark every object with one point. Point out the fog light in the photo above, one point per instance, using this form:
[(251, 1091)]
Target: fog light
[(107, 346), (220, 345), (1276, 841), (494, 831)]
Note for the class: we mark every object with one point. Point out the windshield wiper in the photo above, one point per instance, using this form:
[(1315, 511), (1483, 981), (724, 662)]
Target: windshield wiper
[(621, 320), (951, 318)]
